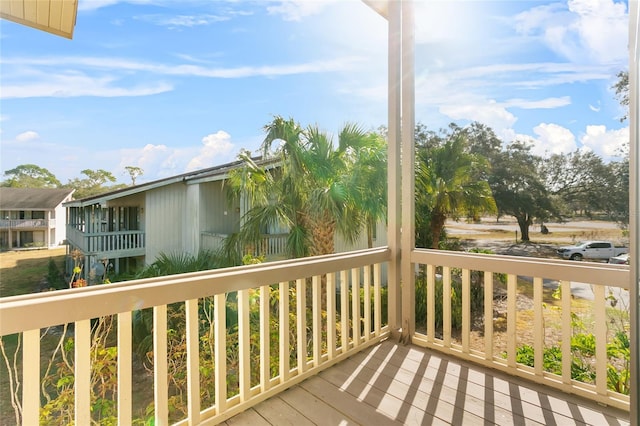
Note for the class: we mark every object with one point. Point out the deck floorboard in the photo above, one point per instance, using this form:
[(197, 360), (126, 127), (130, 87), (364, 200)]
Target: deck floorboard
[(393, 384)]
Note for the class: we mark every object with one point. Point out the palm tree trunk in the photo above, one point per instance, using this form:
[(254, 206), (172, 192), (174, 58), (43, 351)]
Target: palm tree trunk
[(437, 223)]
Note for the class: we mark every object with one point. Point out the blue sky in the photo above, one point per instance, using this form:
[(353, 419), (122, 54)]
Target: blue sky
[(172, 86)]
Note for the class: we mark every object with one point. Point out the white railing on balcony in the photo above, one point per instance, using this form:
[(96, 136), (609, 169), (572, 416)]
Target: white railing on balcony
[(271, 245), (27, 223), (452, 276), (311, 314), (105, 242), (212, 240)]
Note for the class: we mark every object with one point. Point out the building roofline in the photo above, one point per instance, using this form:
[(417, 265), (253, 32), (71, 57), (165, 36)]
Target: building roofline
[(197, 176)]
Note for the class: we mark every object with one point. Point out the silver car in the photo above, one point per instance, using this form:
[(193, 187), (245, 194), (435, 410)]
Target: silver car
[(622, 259)]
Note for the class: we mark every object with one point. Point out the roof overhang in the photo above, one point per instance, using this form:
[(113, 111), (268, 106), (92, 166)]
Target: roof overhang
[(380, 6), (53, 16)]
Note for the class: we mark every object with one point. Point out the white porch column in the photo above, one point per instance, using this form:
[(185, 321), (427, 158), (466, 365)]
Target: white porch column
[(408, 171), (634, 204), (394, 182), (191, 243)]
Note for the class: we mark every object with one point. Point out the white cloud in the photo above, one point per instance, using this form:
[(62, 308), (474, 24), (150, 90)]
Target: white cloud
[(547, 103), (157, 161), (606, 143), (27, 136), (34, 78), (77, 84), (175, 21), (451, 21), (553, 139), (89, 5), (489, 112), (593, 30), (295, 10), (216, 150)]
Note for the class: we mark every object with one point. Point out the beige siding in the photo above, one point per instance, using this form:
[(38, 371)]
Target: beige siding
[(380, 240), (216, 213), (163, 216)]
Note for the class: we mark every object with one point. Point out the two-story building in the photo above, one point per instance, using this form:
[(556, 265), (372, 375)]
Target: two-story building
[(348, 362), (33, 217), (130, 227)]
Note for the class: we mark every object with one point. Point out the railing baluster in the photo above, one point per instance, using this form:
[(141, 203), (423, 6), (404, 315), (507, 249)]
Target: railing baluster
[(466, 309), (431, 303), (244, 344), (160, 371), (344, 310), (82, 373), (283, 311), (355, 305), (566, 331), (220, 348), (538, 327), (193, 361), (600, 317), (265, 341), (446, 306), (31, 377), (125, 390), (301, 320), (316, 312), (367, 303), (331, 315), (488, 315), (512, 295), (377, 298)]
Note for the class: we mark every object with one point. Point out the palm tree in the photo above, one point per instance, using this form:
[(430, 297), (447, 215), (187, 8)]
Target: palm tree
[(447, 184), (308, 186), (369, 178)]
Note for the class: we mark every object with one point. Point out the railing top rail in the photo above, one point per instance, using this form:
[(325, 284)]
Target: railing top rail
[(584, 272), (28, 312), (104, 233)]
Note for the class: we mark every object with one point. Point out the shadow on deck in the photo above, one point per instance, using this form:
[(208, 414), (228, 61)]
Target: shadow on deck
[(395, 384)]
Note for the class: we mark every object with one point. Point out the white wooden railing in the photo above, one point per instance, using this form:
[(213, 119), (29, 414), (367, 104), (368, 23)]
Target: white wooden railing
[(212, 240), (132, 242), (353, 305), (27, 223), (444, 268), (271, 245)]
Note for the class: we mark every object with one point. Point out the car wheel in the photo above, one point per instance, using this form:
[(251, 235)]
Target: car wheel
[(576, 256)]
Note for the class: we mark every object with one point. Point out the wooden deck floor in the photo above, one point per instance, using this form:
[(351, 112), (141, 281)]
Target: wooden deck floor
[(392, 384)]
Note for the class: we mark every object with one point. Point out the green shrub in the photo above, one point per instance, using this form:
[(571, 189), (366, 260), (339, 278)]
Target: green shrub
[(476, 295), (54, 277)]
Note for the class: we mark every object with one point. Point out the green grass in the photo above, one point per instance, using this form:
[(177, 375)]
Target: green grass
[(24, 272)]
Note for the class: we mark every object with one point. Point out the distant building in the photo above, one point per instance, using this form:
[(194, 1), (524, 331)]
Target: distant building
[(129, 228), (32, 217)]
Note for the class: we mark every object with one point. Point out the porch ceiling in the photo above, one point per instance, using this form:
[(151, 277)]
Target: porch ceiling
[(380, 6), (54, 16)]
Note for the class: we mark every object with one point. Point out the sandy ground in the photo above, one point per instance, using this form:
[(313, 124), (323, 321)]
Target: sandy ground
[(557, 231), (499, 237)]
